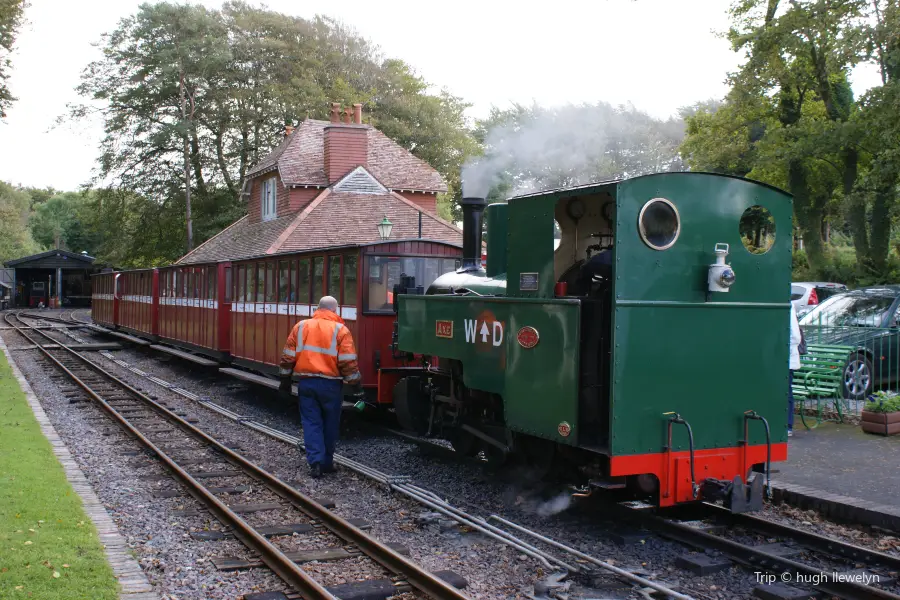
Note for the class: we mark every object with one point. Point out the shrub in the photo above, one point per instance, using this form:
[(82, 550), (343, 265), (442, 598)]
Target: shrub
[(883, 402)]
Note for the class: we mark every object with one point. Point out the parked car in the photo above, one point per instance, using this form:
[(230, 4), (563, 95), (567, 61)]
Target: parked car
[(807, 295), (866, 319)]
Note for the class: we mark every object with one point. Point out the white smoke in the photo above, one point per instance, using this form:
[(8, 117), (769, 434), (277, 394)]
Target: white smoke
[(538, 148), (555, 505)]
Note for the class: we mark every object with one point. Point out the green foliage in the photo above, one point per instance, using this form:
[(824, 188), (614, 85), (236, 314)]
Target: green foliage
[(64, 221), (883, 402), (15, 237), (11, 19), (245, 73)]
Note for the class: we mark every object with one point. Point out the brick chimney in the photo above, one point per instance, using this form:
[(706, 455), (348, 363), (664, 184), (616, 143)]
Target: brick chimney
[(288, 130), (346, 143)]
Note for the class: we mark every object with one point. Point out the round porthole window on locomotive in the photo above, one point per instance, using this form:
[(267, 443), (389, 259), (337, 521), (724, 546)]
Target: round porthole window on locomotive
[(659, 224), (757, 230)]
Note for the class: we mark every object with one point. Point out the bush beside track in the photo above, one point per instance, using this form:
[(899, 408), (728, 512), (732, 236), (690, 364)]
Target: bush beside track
[(49, 548)]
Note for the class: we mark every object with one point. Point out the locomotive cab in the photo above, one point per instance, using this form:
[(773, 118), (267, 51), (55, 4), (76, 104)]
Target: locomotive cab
[(629, 352)]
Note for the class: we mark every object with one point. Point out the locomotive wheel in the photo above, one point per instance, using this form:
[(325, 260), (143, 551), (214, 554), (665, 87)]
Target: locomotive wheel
[(538, 455), (463, 442), (411, 405)]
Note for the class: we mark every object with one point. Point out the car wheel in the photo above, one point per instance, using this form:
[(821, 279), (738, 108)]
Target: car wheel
[(858, 377)]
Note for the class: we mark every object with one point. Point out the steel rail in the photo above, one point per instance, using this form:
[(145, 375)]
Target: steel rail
[(419, 578), (848, 590), (425, 497), (809, 539)]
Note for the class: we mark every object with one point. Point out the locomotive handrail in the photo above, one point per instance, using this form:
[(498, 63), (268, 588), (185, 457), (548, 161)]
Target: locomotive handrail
[(674, 417)]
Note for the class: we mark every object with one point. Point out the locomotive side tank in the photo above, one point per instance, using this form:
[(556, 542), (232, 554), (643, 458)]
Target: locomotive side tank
[(649, 348)]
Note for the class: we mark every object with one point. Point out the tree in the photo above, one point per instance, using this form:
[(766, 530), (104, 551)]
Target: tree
[(15, 238), (11, 18), (64, 222), (192, 98)]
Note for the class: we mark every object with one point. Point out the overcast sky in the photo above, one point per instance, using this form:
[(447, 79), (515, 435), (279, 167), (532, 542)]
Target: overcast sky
[(657, 54)]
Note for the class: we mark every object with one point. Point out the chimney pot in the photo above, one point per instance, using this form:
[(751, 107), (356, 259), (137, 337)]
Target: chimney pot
[(357, 114), (335, 112), (348, 115), (288, 130)]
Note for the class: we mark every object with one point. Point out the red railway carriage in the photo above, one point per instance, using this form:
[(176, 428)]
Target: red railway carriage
[(272, 293), (195, 307), (104, 304), (138, 301)]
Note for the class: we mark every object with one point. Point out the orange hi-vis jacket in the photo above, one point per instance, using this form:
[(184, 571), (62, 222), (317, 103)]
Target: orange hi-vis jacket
[(321, 347)]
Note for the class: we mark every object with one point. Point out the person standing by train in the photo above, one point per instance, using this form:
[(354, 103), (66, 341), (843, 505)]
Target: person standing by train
[(796, 342), (321, 352)]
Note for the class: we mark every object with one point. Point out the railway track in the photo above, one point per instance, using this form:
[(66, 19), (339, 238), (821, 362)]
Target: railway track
[(789, 556), (709, 528), (194, 458)]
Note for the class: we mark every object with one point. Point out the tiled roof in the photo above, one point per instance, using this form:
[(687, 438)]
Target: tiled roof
[(300, 159), (239, 240), (358, 216)]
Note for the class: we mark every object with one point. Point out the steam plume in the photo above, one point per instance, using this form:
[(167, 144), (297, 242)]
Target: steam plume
[(529, 149)]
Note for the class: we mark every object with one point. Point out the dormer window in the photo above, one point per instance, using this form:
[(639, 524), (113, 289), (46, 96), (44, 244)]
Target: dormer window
[(267, 199)]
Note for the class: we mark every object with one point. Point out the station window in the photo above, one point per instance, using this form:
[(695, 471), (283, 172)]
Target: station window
[(284, 281), (350, 280), (301, 292), (267, 200), (317, 278), (384, 273), (334, 278)]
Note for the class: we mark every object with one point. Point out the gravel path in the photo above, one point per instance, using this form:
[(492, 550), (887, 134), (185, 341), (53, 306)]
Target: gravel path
[(493, 571)]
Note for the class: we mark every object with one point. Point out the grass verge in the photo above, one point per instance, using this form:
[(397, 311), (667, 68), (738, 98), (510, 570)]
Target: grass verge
[(49, 548)]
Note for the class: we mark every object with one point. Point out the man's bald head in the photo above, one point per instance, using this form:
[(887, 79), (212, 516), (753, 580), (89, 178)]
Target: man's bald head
[(328, 303)]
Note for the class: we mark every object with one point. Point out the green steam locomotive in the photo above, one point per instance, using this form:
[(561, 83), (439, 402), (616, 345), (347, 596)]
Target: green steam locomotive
[(647, 350)]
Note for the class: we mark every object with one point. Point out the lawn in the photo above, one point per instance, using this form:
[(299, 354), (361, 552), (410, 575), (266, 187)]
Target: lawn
[(49, 548)]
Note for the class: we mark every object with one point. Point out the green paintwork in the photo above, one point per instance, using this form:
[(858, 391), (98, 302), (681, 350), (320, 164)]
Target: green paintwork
[(534, 405), (498, 227), (673, 350)]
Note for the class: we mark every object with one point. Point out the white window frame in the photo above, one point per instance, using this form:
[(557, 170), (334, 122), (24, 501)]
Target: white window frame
[(268, 200)]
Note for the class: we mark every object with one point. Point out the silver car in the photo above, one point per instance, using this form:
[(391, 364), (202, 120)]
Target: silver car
[(806, 295)]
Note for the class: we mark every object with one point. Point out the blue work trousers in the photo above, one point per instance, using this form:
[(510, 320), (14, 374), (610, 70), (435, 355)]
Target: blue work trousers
[(790, 399), (320, 414)]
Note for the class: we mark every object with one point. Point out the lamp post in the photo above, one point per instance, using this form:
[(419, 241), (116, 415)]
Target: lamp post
[(384, 228)]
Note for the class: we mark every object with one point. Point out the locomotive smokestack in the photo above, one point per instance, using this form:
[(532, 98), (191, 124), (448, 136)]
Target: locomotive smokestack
[(473, 215)]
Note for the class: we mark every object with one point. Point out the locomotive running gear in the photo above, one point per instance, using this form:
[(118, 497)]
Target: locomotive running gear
[(320, 414), (321, 347)]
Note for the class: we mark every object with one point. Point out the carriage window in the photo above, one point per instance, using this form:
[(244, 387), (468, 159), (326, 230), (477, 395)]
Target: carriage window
[(350, 282), (241, 283), (384, 273), (270, 282), (302, 290), (228, 284), (334, 277), (284, 283), (211, 283), (260, 282), (317, 277), (251, 283)]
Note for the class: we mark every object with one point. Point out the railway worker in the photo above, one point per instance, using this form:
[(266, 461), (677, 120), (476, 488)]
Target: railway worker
[(320, 351)]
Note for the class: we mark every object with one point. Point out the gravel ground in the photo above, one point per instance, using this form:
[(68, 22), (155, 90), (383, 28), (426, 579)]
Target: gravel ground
[(493, 571)]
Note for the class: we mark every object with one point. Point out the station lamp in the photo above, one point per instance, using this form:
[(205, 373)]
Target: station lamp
[(384, 228)]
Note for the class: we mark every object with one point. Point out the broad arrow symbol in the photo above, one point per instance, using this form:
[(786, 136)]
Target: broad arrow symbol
[(484, 332)]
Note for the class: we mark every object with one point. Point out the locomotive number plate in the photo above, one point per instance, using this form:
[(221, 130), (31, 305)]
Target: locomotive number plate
[(443, 329), (564, 429), (528, 337)]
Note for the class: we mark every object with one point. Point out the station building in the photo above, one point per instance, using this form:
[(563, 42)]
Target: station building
[(331, 183), (53, 278)]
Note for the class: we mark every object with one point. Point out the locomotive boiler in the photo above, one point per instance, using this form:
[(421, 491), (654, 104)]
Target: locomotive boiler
[(648, 351)]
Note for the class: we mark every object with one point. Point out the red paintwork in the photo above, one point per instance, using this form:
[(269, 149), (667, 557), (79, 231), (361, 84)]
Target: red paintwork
[(104, 307), (192, 314), (139, 301), (674, 473)]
